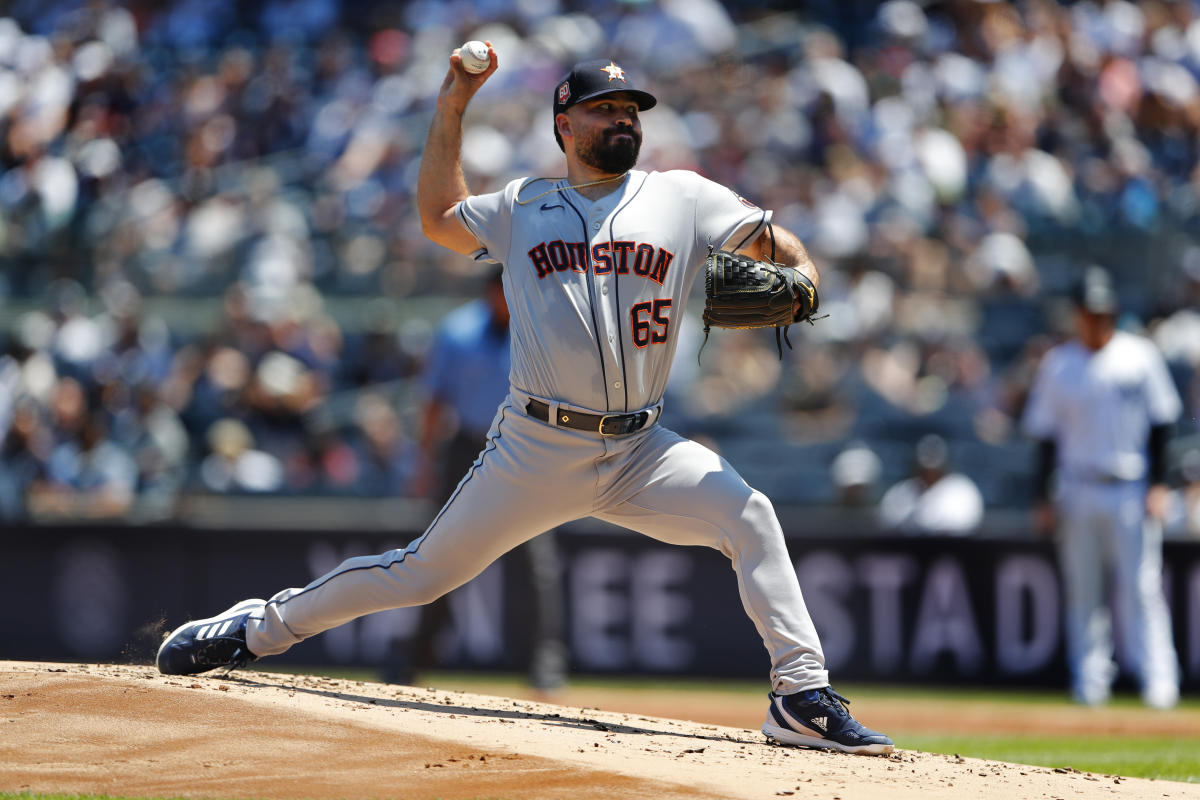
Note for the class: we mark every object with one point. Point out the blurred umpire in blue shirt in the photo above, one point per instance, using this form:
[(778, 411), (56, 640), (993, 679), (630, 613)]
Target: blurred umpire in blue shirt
[(466, 379)]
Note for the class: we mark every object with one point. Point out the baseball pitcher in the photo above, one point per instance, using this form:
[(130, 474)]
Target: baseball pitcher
[(597, 267)]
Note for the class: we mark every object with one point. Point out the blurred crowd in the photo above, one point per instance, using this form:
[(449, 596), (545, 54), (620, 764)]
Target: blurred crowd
[(952, 165)]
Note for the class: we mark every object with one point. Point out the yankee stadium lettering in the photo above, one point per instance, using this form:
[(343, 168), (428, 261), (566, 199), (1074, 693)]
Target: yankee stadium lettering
[(607, 257)]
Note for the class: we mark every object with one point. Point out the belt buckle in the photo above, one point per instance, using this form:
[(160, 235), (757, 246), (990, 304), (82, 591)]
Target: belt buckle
[(604, 419), (629, 423)]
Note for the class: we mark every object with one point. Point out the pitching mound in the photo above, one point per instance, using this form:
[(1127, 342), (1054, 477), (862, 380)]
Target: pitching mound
[(128, 731)]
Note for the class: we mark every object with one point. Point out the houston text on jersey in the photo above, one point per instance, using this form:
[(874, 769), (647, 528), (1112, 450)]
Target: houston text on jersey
[(622, 257)]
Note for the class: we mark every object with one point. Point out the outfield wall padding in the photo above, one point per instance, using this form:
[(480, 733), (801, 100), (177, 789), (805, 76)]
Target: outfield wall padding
[(913, 610)]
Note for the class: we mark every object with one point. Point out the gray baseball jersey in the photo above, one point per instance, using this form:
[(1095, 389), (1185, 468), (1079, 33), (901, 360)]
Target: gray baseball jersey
[(595, 290)]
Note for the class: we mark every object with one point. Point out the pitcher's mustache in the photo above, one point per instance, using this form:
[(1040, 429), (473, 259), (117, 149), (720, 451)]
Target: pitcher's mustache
[(630, 132)]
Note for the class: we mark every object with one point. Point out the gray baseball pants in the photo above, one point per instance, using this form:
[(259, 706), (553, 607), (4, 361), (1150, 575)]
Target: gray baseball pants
[(531, 477), (1104, 532)]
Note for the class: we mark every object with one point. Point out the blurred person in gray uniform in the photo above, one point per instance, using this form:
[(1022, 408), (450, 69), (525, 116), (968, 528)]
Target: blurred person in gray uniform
[(1101, 408), (466, 379), (934, 499)]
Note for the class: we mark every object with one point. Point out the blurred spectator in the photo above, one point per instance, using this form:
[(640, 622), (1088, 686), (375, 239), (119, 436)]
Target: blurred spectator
[(88, 475), (234, 466), (23, 457), (934, 500), (855, 473), (324, 463), (151, 432), (387, 454)]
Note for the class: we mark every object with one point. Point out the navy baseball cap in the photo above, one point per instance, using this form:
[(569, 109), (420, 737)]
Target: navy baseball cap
[(589, 79)]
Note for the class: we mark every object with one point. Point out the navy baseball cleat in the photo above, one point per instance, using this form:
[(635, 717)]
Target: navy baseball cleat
[(206, 644), (819, 718)]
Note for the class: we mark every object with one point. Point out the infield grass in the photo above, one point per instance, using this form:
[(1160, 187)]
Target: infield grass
[(1160, 757), (1037, 727), (1122, 738)]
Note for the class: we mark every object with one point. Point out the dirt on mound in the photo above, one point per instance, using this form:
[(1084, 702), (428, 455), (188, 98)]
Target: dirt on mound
[(129, 731)]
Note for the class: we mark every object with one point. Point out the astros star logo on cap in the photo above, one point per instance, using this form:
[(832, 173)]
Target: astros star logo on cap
[(614, 72)]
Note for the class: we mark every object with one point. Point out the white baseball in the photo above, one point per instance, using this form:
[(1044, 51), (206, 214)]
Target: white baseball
[(475, 57)]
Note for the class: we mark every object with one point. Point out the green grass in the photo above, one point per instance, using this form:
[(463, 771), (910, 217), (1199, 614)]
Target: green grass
[(1158, 757), (1175, 758)]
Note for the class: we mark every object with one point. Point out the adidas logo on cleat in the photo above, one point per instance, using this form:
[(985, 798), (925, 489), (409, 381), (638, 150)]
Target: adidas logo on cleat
[(819, 718)]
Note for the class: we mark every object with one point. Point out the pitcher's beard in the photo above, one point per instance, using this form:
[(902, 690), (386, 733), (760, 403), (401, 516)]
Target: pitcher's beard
[(610, 155)]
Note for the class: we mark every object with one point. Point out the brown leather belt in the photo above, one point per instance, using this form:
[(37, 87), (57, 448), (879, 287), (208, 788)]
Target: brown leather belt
[(604, 424)]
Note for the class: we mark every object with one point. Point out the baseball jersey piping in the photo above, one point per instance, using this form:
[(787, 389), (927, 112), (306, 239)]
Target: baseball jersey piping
[(491, 445), (749, 237), (462, 217), (617, 292), (592, 303)]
